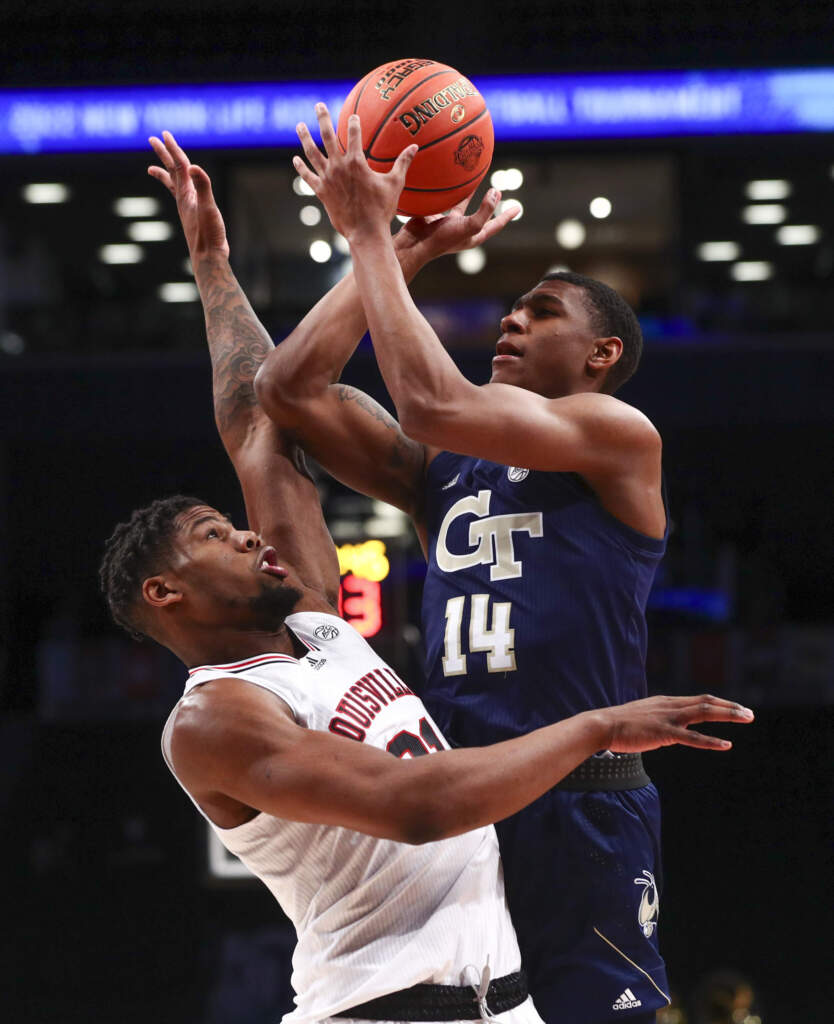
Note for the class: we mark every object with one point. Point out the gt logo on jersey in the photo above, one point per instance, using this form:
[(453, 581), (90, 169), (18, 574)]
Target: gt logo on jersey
[(490, 537), (649, 909)]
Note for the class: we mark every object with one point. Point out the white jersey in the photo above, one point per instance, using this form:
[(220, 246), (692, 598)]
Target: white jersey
[(372, 916)]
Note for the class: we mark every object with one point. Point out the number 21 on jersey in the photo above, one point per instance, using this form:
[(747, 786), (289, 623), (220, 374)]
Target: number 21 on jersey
[(497, 639)]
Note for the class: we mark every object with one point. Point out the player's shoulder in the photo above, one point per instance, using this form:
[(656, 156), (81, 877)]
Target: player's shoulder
[(611, 418)]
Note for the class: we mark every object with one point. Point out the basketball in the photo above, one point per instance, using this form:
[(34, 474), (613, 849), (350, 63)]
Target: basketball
[(433, 105)]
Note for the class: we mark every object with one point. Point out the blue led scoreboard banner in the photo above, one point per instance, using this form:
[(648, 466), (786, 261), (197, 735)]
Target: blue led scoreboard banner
[(523, 107)]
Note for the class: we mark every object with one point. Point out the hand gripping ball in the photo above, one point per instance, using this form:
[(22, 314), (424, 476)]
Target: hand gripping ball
[(421, 101)]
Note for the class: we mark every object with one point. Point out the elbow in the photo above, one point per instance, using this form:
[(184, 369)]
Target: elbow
[(424, 420)]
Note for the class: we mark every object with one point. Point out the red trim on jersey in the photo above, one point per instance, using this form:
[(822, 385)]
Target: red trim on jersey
[(262, 659)]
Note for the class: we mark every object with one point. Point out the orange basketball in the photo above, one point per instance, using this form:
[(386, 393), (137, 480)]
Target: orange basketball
[(407, 101)]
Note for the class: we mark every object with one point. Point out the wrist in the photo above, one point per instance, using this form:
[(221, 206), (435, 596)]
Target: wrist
[(601, 727)]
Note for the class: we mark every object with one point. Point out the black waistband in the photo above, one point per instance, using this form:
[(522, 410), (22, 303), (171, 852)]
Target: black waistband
[(442, 1002), (622, 771)]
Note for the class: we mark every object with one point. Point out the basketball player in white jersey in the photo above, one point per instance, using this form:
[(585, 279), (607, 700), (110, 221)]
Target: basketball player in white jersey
[(387, 865)]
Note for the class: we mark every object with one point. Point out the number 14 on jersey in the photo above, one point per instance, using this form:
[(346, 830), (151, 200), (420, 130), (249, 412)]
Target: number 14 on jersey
[(497, 639)]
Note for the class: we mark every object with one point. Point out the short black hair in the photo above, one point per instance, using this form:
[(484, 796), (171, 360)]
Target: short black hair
[(136, 550), (611, 316)]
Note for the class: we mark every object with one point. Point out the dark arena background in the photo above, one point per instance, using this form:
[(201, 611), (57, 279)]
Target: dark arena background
[(698, 180)]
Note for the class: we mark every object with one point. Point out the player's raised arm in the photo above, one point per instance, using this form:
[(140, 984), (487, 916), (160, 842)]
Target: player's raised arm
[(234, 739), (345, 430), (592, 434), (281, 500)]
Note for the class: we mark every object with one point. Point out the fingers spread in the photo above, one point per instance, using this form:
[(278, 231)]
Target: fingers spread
[(306, 174), (691, 738), (354, 134), (163, 176), (328, 136), (202, 182), (162, 153), (311, 150)]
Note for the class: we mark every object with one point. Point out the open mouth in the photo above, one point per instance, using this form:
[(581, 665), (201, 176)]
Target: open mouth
[(268, 562), (506, 350)]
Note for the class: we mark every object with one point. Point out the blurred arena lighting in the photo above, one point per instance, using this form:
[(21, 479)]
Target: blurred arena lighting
[(798, 234), (341, 244), (716, 252), (507, 181), (600, 207), (768, 189), (309, 216), (136, 206), (512, 202), (403, 218), (121, 253), (767, 213), (11, 344), (570, 233), (471, 261), (45, 192), (178, 291), (559, 268), (186, 266), (751, 270), (301, 188), (150, 231), (320, 251)]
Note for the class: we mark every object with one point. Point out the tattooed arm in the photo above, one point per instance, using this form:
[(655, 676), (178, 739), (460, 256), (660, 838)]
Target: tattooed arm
[(282, 503)]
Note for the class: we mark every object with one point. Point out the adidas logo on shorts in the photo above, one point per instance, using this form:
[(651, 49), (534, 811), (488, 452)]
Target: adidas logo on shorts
[(627, 1001)]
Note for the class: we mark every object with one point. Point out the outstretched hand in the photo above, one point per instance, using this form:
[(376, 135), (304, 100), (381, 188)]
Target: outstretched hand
[(356, 198), (189, 184), (663, 721), (430, 237)]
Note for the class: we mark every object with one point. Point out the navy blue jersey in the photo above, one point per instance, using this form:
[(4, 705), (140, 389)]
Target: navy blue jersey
[(533, 607)]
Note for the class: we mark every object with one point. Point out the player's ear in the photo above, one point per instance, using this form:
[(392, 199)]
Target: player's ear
[(605, 353), (159, 592)]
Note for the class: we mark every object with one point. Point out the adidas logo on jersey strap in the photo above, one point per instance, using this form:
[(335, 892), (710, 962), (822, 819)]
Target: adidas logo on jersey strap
[(627, 1001)]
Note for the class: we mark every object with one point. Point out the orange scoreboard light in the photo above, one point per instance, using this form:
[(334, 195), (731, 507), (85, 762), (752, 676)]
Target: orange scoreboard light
[(362, 568)]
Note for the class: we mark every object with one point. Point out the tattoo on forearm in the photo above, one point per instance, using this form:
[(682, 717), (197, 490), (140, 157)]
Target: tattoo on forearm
[(238, 343), (404, 452)]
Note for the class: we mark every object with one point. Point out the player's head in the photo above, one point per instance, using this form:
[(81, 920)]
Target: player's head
[(178, 569), (570, 333)]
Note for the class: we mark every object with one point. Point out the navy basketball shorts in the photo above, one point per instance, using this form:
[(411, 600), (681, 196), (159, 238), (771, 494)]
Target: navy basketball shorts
[(583, 875)]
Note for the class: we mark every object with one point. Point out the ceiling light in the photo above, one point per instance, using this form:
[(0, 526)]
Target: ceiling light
[(125, 253), (600, 207), (309, 215), (751, 270), (44, 192), (301, 188), (714, 252), (403, 218), (798, 234), (471, 261), (507, 181), (320, 251), (767, 213), (136, 206), (187, 266), (150, 231), (341, 244), (570, 234), (768, 188), (511, 202), (178, 291)]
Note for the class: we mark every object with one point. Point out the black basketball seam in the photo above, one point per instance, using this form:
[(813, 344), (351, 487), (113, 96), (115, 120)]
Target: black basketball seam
[(454, 131), (403, 98), (446, 188)]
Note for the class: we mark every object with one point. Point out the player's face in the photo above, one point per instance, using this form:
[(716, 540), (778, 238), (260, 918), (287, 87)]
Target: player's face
[(545, 341), (230, 576)]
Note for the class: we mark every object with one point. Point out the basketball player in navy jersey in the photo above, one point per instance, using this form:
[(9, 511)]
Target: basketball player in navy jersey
[(542, 535)]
